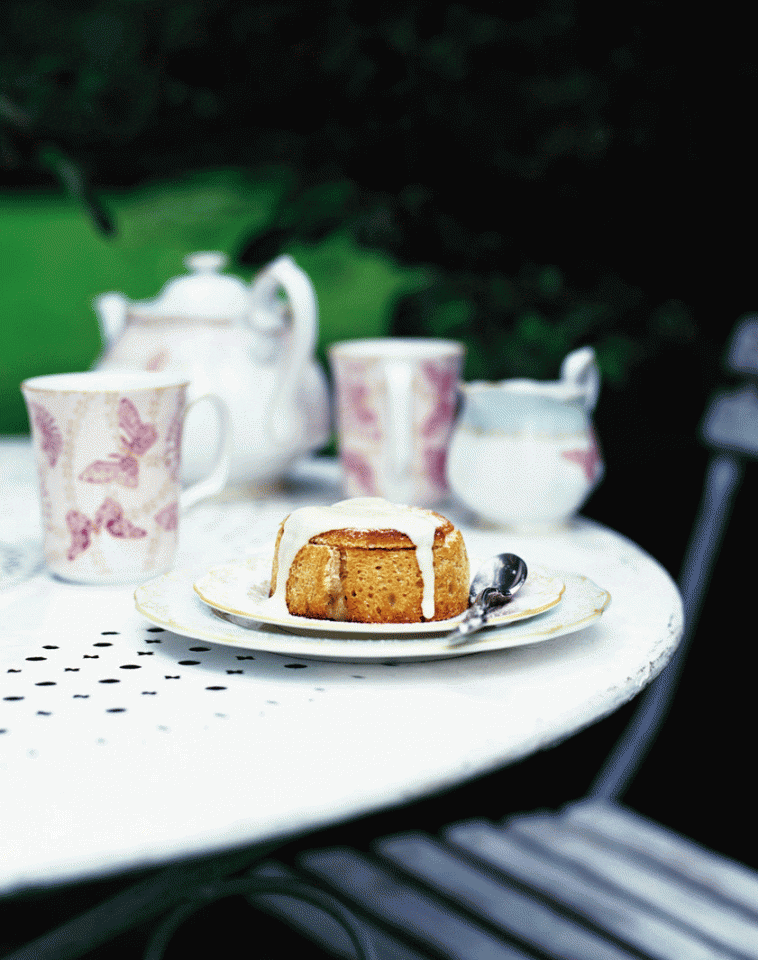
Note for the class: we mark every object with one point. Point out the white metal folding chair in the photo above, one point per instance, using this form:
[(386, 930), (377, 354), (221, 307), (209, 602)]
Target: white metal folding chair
[(594, 880)]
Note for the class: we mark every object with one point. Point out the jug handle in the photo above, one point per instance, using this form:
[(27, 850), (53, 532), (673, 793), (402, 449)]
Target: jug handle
[(285, 273), (580, 367)]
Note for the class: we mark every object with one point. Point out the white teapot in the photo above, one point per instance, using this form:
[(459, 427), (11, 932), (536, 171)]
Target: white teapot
[(240, 341), (523, 453)]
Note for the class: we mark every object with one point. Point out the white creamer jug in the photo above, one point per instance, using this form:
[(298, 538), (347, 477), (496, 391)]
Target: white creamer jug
[(523, 453)]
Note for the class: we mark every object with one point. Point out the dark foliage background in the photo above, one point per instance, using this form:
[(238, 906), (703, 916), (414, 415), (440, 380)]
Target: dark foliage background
[(571, 172), (536, 159), (542, 161)]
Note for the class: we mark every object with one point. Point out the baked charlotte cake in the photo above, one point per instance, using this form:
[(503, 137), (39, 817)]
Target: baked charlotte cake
[(370, 561)]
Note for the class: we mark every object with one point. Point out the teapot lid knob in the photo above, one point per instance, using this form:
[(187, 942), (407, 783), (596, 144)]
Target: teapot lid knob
[(206, 261)]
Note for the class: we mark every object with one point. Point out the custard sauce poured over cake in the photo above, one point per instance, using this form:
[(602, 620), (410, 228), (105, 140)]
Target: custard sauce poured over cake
[(369, 560)]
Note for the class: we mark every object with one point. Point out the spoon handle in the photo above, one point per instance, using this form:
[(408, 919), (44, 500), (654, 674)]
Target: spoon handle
[(486, 603)]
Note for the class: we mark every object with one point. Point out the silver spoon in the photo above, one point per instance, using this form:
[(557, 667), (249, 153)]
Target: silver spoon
[(495, 584)]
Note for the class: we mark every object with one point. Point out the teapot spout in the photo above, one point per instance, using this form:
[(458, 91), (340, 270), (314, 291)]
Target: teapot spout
[(111, 315)]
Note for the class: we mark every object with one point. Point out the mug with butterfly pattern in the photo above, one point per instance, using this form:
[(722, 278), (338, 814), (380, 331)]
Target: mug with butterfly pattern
[(395, 403), (108, 453)]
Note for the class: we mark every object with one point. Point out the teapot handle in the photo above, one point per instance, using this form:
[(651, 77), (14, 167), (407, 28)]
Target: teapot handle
[(285, 273), (110, 309), (580, 368)]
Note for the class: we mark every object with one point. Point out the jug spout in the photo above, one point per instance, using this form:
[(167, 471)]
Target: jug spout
[(111, 315)]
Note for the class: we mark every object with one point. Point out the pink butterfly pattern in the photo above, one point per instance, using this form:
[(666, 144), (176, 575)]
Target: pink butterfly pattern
[(136, 436), (359, 469), (136, 439), (436, 466), (589, 460), (52, 441), (357, 408), (109, 517), (168, 516), (444, 382), (120, 469), (158, 361)]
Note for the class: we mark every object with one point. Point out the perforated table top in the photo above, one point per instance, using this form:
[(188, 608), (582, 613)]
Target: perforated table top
[(124, 744)]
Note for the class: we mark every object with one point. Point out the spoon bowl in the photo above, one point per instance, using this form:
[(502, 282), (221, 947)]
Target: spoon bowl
[(494, 585), (505, 572)]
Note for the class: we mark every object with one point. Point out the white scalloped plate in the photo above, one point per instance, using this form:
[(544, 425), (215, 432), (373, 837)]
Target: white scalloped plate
[(241, 588), (170, 601)]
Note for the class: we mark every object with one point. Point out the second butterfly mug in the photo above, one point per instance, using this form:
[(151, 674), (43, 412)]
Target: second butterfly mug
[(395, 400)]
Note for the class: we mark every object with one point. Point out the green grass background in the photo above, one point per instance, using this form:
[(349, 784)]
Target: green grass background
[(53, 263)]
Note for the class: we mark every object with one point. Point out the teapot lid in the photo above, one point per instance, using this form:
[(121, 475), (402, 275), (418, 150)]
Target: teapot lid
[(204, 293)]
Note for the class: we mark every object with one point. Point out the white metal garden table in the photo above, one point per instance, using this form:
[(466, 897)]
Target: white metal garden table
[(125, 745)]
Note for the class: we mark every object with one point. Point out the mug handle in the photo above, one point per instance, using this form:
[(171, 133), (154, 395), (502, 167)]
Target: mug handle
[(400, 425), (216, 480)]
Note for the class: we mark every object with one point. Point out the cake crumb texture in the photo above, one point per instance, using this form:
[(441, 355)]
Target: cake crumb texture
[(375, 579)]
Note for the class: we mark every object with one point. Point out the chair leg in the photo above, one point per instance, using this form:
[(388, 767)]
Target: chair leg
[(722, 481), (136, 906), (252, 887)]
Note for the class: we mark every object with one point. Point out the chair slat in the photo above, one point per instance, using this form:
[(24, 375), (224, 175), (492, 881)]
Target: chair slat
[(392, 900), (612, 911), (723, 876), (624, 869), (497, 901)]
